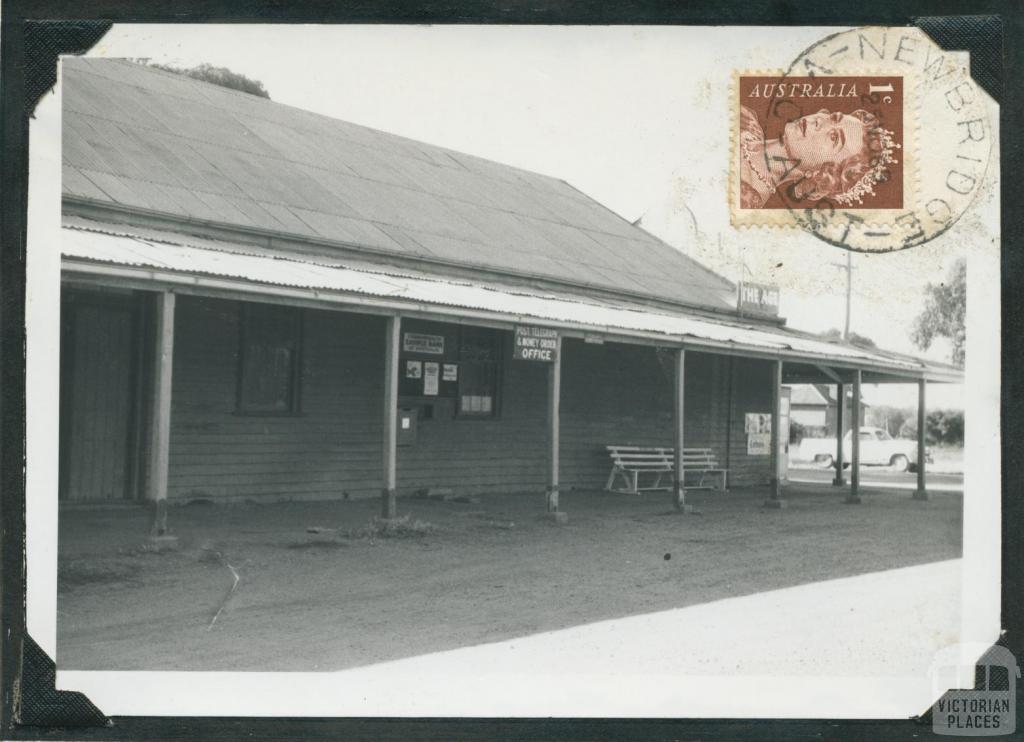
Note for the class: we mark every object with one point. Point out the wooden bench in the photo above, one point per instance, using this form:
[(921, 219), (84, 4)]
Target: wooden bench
[(631, 462)]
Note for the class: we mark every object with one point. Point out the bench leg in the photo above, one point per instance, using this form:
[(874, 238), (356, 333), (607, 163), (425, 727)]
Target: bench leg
[(627, 484), (611, 479)]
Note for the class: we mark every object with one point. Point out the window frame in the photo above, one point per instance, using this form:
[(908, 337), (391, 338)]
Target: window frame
[(295, 387), (498, 345)]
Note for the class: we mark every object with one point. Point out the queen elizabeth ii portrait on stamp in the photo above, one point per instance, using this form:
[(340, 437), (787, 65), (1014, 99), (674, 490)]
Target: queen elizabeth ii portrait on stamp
[(801, 142)]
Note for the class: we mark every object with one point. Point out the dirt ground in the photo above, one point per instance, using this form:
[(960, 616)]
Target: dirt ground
[(452, 575)]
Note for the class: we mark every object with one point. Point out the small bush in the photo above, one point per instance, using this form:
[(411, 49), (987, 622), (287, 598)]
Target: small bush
[(401, 527)]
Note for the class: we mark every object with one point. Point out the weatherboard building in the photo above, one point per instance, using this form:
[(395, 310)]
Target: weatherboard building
[(259, 302)]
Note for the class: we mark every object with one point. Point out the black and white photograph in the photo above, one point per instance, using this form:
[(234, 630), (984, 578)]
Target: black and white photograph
[(520, 371)]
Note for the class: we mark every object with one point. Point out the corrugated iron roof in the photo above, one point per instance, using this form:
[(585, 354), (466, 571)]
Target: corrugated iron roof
[(807, 394), (86, 247), (142, 138)]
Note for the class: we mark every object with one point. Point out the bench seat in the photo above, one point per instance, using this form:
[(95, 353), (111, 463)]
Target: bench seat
[(652, 463)]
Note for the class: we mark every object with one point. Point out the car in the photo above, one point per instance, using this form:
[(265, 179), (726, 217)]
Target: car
[(877, 447)]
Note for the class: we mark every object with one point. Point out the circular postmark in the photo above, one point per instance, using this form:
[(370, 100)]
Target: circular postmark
[(873, 139)]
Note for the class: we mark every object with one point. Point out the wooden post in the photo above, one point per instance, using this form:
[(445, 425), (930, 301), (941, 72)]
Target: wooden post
[(679, 432), (921, 493), (392, 338), (160, 413), (775, 486), (853, 498), (839, 479), (554, 435)]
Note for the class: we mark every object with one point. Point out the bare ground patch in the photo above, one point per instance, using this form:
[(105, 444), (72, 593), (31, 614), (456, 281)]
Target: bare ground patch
[(448, 574)]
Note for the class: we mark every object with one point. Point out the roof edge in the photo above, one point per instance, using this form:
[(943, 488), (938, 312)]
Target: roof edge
[(100, 210)]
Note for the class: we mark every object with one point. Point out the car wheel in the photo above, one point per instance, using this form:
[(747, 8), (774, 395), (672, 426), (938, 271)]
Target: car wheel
[(899, 462), (826, 461)]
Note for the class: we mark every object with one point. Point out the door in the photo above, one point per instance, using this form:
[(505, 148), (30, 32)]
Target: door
[(99, 393)]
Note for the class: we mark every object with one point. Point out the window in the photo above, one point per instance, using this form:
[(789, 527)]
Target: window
[(478, 372), (270, 342)]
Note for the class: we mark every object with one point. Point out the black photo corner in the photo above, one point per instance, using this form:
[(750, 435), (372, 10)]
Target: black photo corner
[(34, 34)]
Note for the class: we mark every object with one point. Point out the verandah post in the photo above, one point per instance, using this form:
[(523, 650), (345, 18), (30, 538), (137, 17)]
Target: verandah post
[(775, 487), (554, 435), (853, 498), (921, 493), (160, 413), (839, 479), (554, 429), (679, 432), (392, 335)]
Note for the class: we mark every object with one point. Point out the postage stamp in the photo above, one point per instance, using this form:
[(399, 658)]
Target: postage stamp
[(802, 140), (873, 139)]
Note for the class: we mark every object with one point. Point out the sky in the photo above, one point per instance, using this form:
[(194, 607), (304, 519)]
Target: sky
[(636, 117)]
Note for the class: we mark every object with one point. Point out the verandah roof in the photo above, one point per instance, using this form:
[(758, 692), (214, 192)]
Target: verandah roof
[(109, 253)]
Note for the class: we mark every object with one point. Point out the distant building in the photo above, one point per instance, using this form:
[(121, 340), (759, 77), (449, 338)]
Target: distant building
[(814, 407)]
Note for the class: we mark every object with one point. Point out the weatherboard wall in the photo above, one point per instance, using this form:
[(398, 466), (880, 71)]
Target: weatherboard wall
[(612, 393)]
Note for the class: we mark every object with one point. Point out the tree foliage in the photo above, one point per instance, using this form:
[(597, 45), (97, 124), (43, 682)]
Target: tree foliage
[(945, 309), (891, 419), (940, 426), (218, 76), (860, 340)]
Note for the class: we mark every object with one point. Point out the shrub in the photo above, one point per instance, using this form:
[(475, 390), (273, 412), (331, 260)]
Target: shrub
[(402, 527)]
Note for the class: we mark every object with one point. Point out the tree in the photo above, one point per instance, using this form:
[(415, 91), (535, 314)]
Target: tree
[(218, 76), (945, 309), (944, 427), (861, 340), (889, 418)]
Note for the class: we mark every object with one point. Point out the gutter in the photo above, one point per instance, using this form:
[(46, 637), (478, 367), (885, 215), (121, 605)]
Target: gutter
[(92, 209), (92, 273)]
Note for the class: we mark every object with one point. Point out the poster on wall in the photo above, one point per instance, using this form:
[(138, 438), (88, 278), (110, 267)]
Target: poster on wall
[(759, 444), (450, 372), (431, 377), (757, 422), (413, 369)]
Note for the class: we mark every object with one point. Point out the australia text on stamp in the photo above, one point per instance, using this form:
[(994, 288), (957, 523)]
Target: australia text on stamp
[(872, 139)]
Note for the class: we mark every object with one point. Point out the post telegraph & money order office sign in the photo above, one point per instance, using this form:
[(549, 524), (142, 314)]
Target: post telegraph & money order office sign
[(535, 344)]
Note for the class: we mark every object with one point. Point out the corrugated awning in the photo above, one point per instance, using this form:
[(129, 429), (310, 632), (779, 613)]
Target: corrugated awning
[(114, 253)]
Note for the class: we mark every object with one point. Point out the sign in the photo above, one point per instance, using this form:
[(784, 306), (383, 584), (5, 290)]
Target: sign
[(450, 372), (759, 298), (415, 342), (757, 422), (431, 374), (759, 444), (535, 344), (413, 369)]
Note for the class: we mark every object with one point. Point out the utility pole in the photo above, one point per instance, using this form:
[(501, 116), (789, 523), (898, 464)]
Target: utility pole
[(849, 290), (740, 248)]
